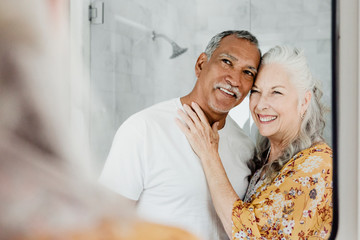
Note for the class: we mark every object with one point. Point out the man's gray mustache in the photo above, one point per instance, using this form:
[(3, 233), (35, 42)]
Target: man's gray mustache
[(230, 88)]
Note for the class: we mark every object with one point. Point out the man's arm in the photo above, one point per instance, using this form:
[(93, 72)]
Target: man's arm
[(124, 168)]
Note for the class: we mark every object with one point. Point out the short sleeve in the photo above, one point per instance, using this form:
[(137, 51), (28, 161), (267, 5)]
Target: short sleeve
[(244, 221), (123, 171)]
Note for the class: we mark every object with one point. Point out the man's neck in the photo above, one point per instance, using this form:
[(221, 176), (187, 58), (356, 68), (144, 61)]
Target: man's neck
[(210, 115)]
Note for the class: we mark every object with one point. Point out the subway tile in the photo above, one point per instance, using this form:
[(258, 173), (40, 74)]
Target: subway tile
[(138, 66), (102, 61), (124, 83), (102, 80), (123, 63)]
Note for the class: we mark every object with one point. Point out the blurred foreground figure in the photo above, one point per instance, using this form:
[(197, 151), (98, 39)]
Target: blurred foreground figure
[(46, 192)]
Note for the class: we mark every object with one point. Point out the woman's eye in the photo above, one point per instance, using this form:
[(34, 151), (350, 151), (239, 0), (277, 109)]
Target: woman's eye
[(277, 92), (253, 91)]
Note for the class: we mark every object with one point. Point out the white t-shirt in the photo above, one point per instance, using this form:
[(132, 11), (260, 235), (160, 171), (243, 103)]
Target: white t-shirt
[(151, 161)]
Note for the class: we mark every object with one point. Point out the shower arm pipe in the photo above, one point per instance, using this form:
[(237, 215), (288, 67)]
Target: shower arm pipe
[(133, 24), (143, 28), (159, 35), (176, 49)]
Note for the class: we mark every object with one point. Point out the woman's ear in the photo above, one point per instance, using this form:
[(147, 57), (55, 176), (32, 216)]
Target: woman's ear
[(306, 102), (202, 59)]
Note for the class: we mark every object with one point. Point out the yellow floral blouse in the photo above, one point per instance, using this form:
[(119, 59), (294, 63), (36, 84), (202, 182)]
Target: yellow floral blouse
[(296, 205)]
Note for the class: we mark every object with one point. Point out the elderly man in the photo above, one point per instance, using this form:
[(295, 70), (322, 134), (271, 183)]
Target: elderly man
[(151, 162)]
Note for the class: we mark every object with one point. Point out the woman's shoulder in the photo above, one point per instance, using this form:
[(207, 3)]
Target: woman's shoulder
[(309, 165), (317, 150), (317, 157)]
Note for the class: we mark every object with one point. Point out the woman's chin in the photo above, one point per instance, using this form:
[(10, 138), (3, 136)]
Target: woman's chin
[(265, 132)]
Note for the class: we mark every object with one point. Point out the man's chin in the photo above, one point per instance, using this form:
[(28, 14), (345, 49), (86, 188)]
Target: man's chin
[(221, 109)]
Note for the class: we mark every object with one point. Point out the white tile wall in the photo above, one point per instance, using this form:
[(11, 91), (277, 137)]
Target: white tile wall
[(303, 23), (130, 71)]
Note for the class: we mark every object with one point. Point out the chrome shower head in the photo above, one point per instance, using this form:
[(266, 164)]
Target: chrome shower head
[(176, 49)]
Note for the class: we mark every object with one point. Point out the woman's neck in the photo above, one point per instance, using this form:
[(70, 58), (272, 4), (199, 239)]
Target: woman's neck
[(277, 148), (275, 152), (279, 145)]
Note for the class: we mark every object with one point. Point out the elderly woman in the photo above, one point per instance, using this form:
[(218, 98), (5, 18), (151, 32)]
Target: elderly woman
[(290, 192)]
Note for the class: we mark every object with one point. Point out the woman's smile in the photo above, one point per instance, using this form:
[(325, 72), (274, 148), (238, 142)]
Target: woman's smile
[(265, 119)]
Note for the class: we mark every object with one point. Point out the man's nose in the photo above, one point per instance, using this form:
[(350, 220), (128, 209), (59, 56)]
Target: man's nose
[(234, 78)]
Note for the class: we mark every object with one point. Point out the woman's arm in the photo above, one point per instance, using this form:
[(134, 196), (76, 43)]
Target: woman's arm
[(204, 140), (222, 192)]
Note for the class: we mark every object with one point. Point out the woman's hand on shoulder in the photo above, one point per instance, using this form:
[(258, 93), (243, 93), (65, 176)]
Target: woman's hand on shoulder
[(203, 138)]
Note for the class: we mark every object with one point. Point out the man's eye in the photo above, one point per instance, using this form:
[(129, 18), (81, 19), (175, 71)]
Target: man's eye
[(249, 73), (226, 61)]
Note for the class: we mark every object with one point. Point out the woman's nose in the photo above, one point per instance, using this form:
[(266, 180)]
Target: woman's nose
[(262, 103)]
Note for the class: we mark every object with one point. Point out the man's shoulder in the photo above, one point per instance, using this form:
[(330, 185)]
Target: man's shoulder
[(233, 129), (236, 137), (154, 113), (167, 105)]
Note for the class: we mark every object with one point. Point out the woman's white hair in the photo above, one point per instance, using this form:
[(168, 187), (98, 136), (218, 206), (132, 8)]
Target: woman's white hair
[(293, 60)]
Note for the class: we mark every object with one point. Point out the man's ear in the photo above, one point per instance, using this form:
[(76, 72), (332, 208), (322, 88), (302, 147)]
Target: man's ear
[(306, 102), (202, 59)]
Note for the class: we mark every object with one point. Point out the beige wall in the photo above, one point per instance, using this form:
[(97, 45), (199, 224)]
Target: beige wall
[(348, 132)]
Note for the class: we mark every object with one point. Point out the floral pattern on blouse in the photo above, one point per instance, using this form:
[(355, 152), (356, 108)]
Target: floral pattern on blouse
[(297, 204)]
